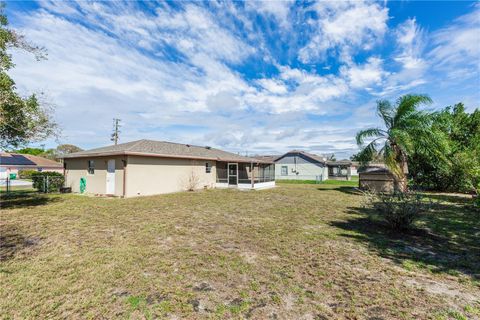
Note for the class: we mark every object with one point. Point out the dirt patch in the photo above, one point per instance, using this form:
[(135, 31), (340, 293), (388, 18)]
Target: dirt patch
[(449, 290), (249, 257)]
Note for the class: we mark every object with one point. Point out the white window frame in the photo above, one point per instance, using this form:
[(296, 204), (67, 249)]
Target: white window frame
[(284, 172)]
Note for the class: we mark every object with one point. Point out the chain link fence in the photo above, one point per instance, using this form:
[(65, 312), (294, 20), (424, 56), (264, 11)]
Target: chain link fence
[(42, 183)]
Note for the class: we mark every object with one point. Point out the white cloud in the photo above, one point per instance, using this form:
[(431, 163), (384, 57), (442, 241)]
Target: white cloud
[(410, 40), (273, 86), (362, 76), (278, 9), (457, 46), (344, 27)]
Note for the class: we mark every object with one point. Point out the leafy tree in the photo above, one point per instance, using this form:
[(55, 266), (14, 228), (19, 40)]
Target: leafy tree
[(52, 154), (365, 158), (407, 129), (22, 120), (32, 151), (459, 170), (64, 149)]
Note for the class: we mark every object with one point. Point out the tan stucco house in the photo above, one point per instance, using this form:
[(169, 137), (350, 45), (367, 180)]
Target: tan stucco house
[(147, 167)]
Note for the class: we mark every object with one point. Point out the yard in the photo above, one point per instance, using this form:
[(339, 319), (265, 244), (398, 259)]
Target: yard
[(298, 251)]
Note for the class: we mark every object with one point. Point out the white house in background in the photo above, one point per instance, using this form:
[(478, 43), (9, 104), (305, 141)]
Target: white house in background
[(301, 165)]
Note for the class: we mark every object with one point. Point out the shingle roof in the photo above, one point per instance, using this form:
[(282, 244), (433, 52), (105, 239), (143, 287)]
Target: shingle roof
[(270, 158), (340, 163), (306, 154), (164, 149), (16, 159)]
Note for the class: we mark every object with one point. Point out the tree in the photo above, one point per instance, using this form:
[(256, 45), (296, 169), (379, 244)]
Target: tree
[(64, 149), (406, 129), (52, 153), (332, 157), (32, 151), (459, 170), (22, 120)]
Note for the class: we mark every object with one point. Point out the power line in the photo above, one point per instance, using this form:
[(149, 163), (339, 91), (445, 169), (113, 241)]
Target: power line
[(116, 131)]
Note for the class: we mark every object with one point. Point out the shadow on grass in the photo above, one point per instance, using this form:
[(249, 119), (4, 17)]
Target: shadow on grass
[(23, 199), (445, 240), (344, 189), (12, 241)]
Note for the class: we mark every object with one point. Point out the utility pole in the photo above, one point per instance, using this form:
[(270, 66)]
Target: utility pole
[(115, 133)]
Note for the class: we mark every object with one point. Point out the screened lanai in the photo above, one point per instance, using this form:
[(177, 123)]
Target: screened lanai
[(251, 175)]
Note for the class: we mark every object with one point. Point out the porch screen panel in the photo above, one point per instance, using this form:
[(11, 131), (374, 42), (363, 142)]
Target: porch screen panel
[(244, 173), (222, 172)]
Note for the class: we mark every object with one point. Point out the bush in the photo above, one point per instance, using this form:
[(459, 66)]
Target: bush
[(48, 181), (398, 211), (26, 174)]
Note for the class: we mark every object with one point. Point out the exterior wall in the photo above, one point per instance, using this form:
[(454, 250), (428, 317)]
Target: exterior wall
[(97, 182), (376, 182), (306, 169), (353, 171), (151, 175), (6, 170)]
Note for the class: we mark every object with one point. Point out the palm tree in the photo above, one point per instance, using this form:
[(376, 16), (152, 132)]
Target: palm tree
[(406, 129)]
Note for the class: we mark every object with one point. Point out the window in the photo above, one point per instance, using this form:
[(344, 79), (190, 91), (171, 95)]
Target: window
[(208, 167), (91, 167), (284, 170)]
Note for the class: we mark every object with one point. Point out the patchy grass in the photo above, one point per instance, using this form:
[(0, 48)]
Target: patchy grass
[(296, 251)]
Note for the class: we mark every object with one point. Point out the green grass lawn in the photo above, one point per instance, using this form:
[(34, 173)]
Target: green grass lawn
[(292, 252), (351, 183)]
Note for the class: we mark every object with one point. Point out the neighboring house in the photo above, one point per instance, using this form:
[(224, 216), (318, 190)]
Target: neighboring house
[(11, 163), (147, 167), (301, 165), (341, 170)]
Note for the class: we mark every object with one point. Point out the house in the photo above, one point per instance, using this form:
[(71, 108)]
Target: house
[(342, 169), (147, 167), (12, 163), (302, 165)]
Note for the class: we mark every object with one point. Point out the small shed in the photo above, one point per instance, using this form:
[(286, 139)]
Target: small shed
[(377, 180)]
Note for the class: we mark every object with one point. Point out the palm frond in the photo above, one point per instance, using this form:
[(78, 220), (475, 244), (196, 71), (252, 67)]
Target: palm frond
[(403, 139), (369, 133), (385, 111), (407, 104), (390, 157)]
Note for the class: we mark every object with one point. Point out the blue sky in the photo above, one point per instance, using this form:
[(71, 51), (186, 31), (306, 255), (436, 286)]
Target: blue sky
[(257, 77)]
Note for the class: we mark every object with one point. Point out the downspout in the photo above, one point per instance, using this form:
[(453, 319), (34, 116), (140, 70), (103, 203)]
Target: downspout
[(252, 176), (125, 176)]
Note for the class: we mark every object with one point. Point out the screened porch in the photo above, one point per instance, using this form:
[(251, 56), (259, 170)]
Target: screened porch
[(245, 175)]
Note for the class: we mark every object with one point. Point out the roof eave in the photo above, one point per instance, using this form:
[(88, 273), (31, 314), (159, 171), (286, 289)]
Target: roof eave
[(159, 155)]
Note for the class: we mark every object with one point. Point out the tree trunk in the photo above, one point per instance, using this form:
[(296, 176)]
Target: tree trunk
[(400, 183)]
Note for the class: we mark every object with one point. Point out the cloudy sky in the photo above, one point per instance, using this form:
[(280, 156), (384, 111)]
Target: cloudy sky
[(256, 77)]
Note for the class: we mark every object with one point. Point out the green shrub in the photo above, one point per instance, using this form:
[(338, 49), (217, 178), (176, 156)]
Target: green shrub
[(397, 211), (26, 174), (48, 181), (476, 199)]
